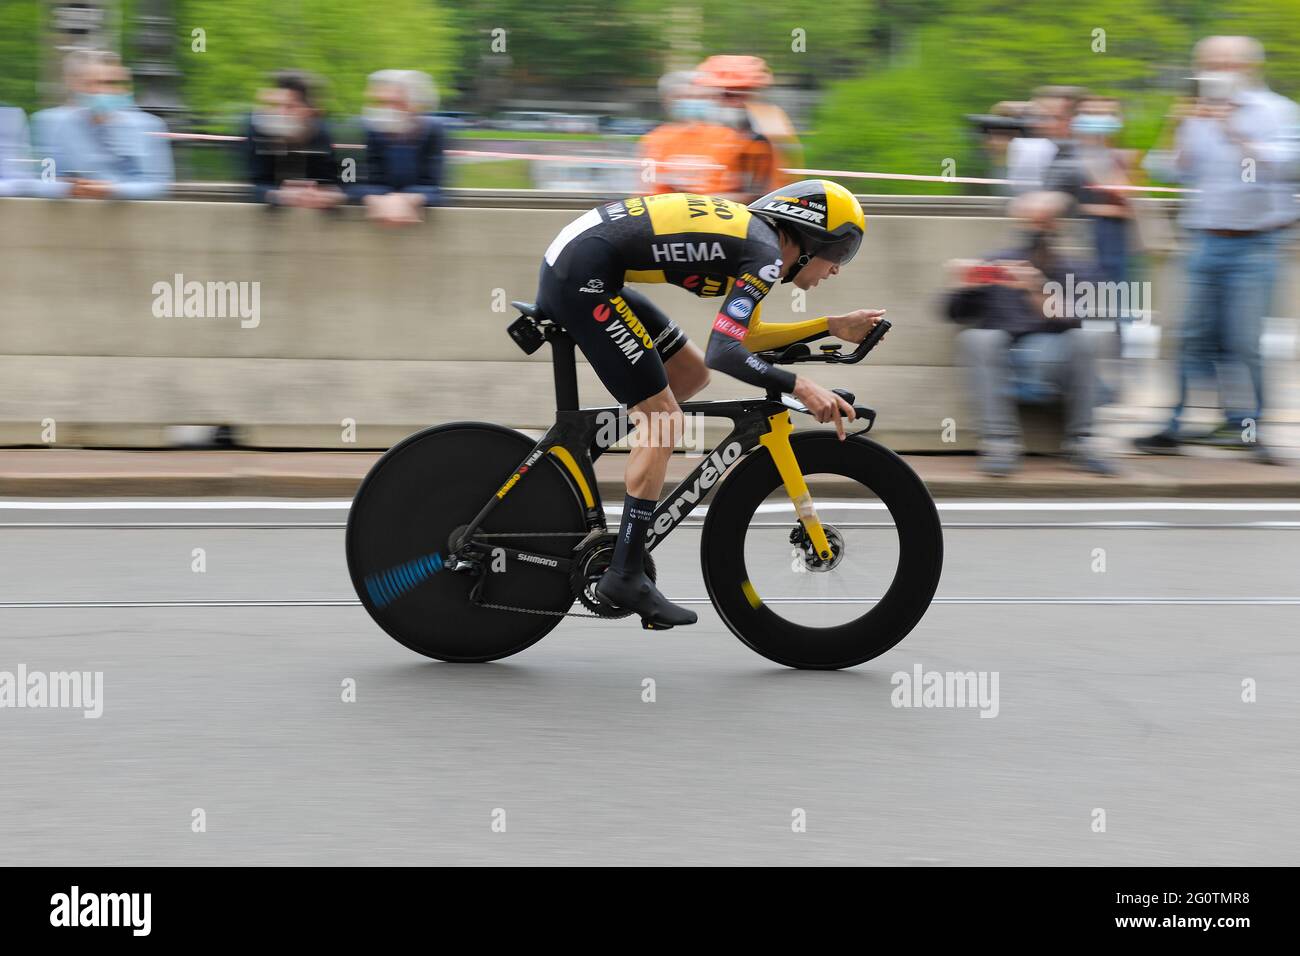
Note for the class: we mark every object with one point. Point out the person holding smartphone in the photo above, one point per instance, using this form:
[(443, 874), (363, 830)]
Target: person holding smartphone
[(1017, 344), (1236, 144)]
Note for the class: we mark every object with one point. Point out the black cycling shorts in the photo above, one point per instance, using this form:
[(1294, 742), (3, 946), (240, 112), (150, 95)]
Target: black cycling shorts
[(625, 336)]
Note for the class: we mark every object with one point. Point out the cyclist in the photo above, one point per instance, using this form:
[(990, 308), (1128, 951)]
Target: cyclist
[(801, 233)]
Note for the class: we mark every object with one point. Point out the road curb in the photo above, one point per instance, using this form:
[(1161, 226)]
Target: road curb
[(61, 473)]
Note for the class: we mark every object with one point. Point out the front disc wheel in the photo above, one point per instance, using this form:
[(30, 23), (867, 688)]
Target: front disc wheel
[(783, 600)]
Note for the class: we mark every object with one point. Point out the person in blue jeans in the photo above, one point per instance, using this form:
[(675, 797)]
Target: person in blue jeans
[(1238, 144), (1021, 344), (1106, 168), (1229, 282)]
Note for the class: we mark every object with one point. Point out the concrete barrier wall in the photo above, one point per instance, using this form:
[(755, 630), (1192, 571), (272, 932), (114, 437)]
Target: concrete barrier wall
[(390, 329)]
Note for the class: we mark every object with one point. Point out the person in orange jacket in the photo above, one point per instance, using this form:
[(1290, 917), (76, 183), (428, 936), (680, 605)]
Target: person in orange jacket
[(737, 83), (706, 149)]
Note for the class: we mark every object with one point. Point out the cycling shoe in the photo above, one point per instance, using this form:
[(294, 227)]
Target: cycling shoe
[(637, 593)]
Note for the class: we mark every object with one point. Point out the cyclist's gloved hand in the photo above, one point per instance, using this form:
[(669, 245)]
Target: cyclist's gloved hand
[(824, 404), (854, 326)]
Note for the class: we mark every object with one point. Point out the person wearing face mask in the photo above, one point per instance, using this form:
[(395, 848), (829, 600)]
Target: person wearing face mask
[(1065, 172), (1236, 145), (687, 154), (763, 139), (288, 149), (404, 147), (1104, 168), (1044, 159), (711, 147), (1018, 346), (99, 145)]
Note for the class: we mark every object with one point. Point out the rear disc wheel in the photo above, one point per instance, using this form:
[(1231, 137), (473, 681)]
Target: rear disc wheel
[(407, 510)]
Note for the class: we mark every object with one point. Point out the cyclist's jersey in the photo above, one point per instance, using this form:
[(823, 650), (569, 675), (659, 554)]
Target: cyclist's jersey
[(708, 246)]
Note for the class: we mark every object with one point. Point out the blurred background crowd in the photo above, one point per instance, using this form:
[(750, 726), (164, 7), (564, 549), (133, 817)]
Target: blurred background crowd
[(1077, 112)]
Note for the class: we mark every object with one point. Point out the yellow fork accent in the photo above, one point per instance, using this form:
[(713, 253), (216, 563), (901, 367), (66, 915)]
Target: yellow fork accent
[(777, 441)]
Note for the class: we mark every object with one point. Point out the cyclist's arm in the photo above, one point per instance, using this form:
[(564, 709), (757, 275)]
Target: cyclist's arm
[(727, 351), (774, 335)]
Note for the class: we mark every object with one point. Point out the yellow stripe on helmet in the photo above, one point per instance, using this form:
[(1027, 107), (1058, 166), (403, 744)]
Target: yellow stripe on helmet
[(841, 207)]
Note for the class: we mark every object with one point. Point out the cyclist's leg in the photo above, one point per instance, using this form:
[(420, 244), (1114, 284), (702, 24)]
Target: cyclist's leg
[(683, 360), (583, 292), (659, 426), (658, 420), (622, 353)]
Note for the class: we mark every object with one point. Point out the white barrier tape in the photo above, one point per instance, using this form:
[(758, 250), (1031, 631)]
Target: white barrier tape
[(916, 177), (580, 158), (622, 161)]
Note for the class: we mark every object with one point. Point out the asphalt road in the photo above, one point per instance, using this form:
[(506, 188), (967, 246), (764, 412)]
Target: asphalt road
[(1118, 690)]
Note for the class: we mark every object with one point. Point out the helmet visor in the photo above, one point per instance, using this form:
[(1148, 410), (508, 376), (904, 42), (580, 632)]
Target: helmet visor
[(839, 251)]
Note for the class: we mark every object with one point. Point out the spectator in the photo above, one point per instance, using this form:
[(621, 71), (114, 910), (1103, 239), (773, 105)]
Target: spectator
[(763, 138), (404, 147), (1237, 145), (1029, 158), (1066, 172), (672, 148), (1006, 122), (289, 150), (711, 146), (1104, 168), (15, 152), (1015, 344), (101, 145)]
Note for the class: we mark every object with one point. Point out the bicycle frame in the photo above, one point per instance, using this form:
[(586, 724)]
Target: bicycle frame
[(573, 442)]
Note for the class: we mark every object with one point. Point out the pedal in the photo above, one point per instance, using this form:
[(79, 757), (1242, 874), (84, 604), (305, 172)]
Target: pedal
[(649, 625)]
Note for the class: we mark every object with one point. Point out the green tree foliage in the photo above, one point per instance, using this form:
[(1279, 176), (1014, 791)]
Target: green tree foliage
[(832, 39), (341, 41), (607, 44), (579, 44), (901, 120), (897, 75), (1276, 24), (19, 52), (907, 115)]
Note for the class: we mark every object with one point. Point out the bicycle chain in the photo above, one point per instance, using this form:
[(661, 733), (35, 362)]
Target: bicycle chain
[(534, 534), (533, 610), (531, 534)]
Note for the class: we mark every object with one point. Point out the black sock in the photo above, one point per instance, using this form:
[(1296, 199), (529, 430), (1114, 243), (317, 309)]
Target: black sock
[(629, 550)]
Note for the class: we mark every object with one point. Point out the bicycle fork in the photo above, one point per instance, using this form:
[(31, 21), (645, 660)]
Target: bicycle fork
[(777, 442)]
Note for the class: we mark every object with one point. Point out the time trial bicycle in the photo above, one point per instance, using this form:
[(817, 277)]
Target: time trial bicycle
[(469, 541)]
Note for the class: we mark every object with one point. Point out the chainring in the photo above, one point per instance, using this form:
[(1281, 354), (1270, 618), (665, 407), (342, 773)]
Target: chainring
[(588, 568)]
